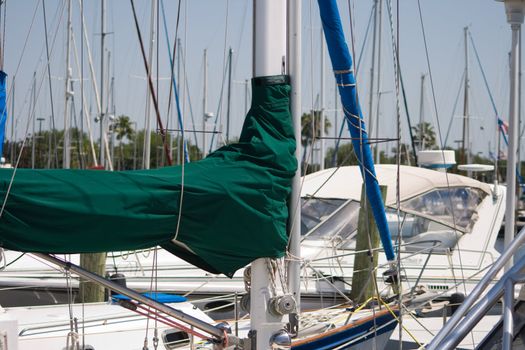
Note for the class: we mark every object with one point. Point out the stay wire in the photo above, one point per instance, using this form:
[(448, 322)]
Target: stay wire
[(395, 55), (225, 65), (434, 100), (4, 35), (172, 57), (173, 88), (186, 86), (51, 100), (312, 110), (11, 181), (150, 84), (454, 108)]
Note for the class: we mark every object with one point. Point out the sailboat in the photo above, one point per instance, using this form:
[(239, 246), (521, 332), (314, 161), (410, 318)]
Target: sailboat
[(219, 214)]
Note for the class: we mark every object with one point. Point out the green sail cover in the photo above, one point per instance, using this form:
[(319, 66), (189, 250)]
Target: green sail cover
[(234, 202)]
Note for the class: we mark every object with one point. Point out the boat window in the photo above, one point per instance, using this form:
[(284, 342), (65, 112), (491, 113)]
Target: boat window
[(315, 210), (175, 338), (419, 234), (342, 222), (449, 205)]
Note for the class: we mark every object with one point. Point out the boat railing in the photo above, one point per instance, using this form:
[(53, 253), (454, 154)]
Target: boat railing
[(379, 249), (430, 250), (51, 327), (327, 279), (475, 307)]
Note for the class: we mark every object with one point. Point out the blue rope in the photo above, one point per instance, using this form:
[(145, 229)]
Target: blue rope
[(342, 66)]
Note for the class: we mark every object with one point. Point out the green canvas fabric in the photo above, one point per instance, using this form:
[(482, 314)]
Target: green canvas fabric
[(234, 202)]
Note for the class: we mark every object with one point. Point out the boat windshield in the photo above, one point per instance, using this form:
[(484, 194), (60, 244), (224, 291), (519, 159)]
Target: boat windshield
[(327, 218), (448, 205), (425, 219)]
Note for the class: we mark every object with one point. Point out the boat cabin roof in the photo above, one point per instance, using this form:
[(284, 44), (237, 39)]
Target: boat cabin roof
[(346, 182)]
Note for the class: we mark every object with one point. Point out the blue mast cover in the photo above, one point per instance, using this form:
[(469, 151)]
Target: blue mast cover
[(3, 109), (342, 66)]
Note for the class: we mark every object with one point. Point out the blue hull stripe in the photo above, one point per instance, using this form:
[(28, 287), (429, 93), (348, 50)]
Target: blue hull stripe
[(353, 336)]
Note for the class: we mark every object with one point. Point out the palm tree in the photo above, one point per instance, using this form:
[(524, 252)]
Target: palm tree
[(310, 132), (122, 129), (425, 135)]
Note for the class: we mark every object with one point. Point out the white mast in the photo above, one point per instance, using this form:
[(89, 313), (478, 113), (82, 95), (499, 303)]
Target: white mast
[(66, 155), (93, 78), (32, 112), (294, 69), (147, 137), (372, 75), (269, 57), (378, 89), (204, 103), (321, 109), (515, 11), (466, 119), (421, 114), (12, 158), (228, 105), (101, 119)]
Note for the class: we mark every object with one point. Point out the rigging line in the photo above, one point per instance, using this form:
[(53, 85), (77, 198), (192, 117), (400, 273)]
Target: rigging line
[(358, 65), (362, 133), (175, 47), (150, 84), (174, 86), (499, 120), (23, 51), (186, 85), (79, 135), (454, 108), (219, 108), (337, 145), (361, 125), (26, 40), (397, 77), (241, 36), (395, 56), (439, 135), (11, 181), (92, 73), (361, 54), (82, 110), (157, 57), (52, 103), (312, 121), (175, 90), (410, 131), (82, 97), (2, 36), (4, 32)]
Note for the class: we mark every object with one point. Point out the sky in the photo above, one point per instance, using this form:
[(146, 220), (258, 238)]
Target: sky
[(218, 25)]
